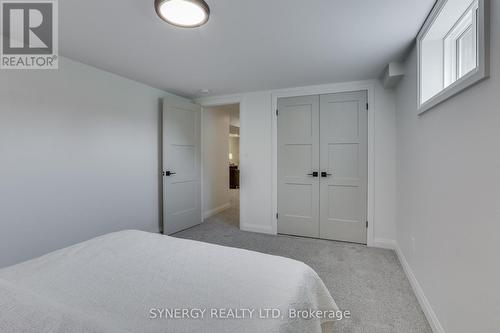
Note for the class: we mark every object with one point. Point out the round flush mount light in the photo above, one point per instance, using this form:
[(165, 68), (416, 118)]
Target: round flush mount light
[(183, 13), (204, 92)]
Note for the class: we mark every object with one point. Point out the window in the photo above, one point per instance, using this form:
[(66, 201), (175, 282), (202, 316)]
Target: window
[(452, 50), (460, 47)]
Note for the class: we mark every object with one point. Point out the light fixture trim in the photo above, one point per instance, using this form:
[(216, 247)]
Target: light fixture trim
[(201, 4)]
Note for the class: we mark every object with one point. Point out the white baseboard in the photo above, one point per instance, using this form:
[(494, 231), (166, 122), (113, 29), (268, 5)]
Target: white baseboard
[(256, 228), (419, 292), (384, 243), (216, 210), (417, 289)]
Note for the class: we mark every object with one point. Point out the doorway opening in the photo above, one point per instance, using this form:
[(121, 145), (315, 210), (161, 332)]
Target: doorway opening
[(221, 164)]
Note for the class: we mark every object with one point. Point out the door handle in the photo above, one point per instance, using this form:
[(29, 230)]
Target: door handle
[(168, 173), (325, 174), (313, 174)]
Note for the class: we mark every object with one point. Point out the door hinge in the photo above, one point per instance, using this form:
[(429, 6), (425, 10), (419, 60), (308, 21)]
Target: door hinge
[(277, 112), (367, 106), (367, 224), (277, 216)]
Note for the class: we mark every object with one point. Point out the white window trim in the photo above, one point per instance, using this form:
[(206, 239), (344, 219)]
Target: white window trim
[(458, 41), (483, 57), (451, 40)]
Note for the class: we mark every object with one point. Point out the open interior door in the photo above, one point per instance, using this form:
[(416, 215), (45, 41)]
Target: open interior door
[(181, 165)]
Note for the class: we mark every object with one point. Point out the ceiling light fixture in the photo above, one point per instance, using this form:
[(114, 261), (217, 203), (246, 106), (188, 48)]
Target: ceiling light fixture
[(204, 92), (183, 13)]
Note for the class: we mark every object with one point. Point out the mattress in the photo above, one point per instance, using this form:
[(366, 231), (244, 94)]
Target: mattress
[(134, 281)]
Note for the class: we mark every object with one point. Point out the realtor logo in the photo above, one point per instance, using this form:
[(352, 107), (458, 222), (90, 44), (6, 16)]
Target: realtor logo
[(29, 34)]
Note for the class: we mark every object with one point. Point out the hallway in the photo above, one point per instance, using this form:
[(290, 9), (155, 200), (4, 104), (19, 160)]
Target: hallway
[(230, 216)]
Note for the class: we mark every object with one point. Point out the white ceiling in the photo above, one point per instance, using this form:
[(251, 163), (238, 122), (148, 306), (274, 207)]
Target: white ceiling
[(247, 45)]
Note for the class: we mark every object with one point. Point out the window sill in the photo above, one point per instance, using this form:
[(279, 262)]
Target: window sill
[(472, 78)]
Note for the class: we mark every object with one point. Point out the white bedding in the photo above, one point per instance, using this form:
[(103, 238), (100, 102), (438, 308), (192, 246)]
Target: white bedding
[(117, 282)]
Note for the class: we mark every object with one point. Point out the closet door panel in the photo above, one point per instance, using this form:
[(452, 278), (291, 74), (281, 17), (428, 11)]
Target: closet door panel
[(343, 163), (298, 159)]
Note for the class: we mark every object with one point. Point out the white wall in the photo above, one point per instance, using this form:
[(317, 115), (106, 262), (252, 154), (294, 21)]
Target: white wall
[(448, 176), (256, 161), (385, 166), (78, 158), (215, 136)]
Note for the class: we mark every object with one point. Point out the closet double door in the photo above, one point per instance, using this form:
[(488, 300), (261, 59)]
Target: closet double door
[(322, 166)]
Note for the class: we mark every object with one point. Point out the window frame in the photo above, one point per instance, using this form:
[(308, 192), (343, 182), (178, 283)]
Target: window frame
[(478, 74), (452, 44), (459, 55)]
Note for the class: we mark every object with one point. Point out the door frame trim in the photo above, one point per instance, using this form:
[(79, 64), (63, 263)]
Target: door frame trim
[(210, 102), (369, 87)]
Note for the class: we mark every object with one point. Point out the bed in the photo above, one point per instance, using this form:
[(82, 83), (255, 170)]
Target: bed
[(134, 281)]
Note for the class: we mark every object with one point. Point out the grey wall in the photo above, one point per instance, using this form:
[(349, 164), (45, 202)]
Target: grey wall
[(448, 176), (385, 166), (78, 158)]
